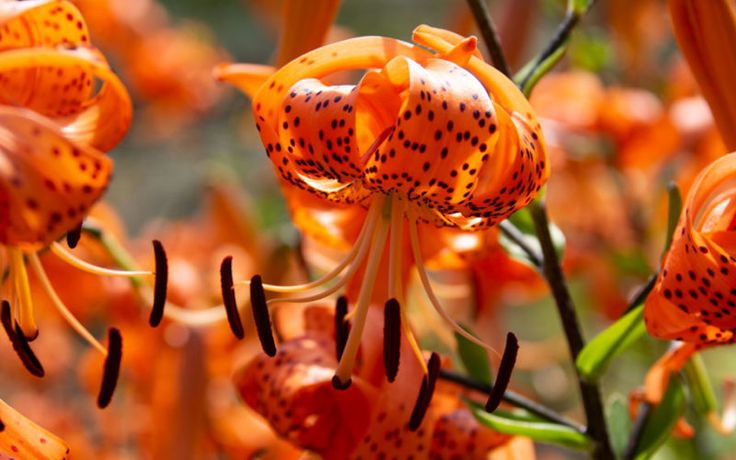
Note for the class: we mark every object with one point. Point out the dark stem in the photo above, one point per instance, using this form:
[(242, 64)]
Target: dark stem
[(513, 398), (642, 294), (562, 34), (490, 36), (637, 431), (592, 401), (515, 235)]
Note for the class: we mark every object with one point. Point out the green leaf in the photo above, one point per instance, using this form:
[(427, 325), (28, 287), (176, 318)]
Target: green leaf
[(674, 208), (701, 389), (474, 358), (594, 359), (619, 424), (546, 432), (661, 420)]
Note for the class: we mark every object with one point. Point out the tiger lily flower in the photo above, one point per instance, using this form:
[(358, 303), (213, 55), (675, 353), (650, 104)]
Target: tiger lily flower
[(293, 392), (21, 438), (429, 140), (54, 129), (693, 300)]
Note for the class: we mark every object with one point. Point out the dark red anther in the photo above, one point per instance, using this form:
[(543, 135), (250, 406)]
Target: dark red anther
[(160, 285), (228, 297), (425, 392), (260, 315), (504, 372), (391, 338), (73, 236), (342, 326), (20, 343), (111, 370)]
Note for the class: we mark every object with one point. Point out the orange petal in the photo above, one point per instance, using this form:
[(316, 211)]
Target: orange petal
[(49, 90), (459, 434), (23, 439), (47, 182), (100, 121), (248, 78), (658, 376), (705, 32), (293, 391), (694, 299), (304, 27)]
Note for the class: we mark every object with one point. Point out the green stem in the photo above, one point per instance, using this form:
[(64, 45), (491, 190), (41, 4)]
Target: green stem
[(591, 396), (513, 398), (490, 36)]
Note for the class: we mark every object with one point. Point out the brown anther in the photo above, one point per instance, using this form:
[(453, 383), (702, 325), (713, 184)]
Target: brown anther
[(391, 338), (20, 343), (260, 315), (342, 327), (160, 285), (73, 236), (425, 392), (228, 297), (337, 384), (504, 372), (111, 370), (2, 426)]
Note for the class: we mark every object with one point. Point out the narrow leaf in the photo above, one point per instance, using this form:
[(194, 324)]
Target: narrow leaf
[(701, 388), (545, 432), (594, 359), (619, 424)]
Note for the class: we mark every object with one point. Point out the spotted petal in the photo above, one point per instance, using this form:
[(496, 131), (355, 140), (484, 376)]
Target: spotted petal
[(47, 182), (22, 439)]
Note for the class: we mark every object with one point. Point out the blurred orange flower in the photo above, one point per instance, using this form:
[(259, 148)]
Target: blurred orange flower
[(369, 419), (55, 125)]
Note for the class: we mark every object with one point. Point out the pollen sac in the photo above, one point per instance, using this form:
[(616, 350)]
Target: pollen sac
[(443, 130), (694, 299)]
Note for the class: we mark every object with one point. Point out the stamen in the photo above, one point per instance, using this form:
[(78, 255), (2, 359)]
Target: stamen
[(364, 234), (20, 344), (112, 367), (73, 236), (26, 319), (73, 260), (342, 327), (338, 384), (419, 263), (160, 284), (345, 368), (425, 393), (2, 426), (63, 310), (228, 297), (391, 338), (504, 372), (261, 316)]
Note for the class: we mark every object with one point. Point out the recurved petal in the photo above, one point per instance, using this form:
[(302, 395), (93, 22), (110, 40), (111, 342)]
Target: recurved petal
[(248, 78), (47, 182), (50, 90), (694, 299), (293, 391), (21, 438), (458, 434), (99, 120)]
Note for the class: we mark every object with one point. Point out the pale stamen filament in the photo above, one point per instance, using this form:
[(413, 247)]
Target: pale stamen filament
[(419, 263), (25, 316), (365, 232), (361, 254), (63, 310), (73, 260), (394, 276), (345, 367)]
